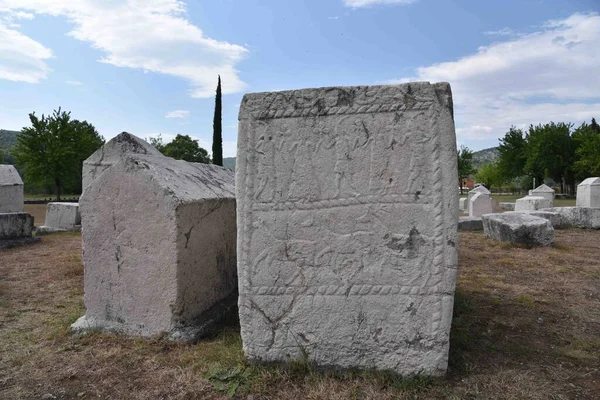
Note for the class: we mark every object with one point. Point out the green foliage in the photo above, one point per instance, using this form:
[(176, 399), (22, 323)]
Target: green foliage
[(229, 380), (52, 150), (490, 175), (512, 154), (183, 147), (217, 146), (465, 164), (7, 141), (587, 139)]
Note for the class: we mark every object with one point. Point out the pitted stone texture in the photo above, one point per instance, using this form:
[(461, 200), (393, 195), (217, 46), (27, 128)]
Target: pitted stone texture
[(158, 245), (557, 219), (15, 225), (578, 217), (470, 224), (347, 218), (532, 203), (11, 190), (518, 228), (473, 192), (588, 193), (462, 203), (545, 192), (479, 204), (507, 206), (112, 152), (62, 216)]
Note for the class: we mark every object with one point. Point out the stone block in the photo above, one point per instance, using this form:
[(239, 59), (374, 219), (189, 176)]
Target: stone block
[(518, 228), (11, 190), (532, 203), (15, 225), (507, 206), (578, 217), (557, 219), (470, 224), (62, 216), (112, 152), (158, 247), (462, 203), (479, 204), (545, 192), (588, 193), (347, 226), (473, 192)]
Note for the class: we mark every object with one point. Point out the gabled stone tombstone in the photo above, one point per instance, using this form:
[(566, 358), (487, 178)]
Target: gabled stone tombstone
[(347, 226), (479, 204), (473, 192), (588, 193), (532, 203), (159, 248), (11, 190), (462, 204), (112, 152), (545, 192)]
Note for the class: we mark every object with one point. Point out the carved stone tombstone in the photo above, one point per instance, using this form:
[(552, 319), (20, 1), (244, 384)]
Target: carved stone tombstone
[(347, 226), (11, 190)]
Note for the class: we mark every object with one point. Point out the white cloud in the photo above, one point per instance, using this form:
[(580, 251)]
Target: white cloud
[(150, 35), (548, 75), (21, 59), (74, 83), (367, 3), (178, 114), (501, 32)]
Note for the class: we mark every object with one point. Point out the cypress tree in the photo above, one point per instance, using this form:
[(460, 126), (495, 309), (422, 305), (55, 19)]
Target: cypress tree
[(217, 147)]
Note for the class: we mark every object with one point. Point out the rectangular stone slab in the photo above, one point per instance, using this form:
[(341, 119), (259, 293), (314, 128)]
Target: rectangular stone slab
[(347, 226)]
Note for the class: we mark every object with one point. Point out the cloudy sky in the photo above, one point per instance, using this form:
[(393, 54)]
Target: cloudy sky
[(150, 66)]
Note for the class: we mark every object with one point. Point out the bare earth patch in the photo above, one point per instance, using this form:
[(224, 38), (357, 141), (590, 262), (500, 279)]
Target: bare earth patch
[(526, 326)]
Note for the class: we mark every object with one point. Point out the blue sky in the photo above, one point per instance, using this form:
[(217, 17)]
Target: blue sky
[(150, 66)]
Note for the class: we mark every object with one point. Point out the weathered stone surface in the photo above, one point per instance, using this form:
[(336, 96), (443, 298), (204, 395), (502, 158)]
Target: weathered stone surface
[(578, 217), (11, 190), (532, 203), (158, 246), (462, 203), (470, 224), (479, 204), (518, 228), (557, 219), (507, 206), (61, 217), (588, 193), (545, 192), (347, 218), (473, 192), (112, 152), (15, 225)]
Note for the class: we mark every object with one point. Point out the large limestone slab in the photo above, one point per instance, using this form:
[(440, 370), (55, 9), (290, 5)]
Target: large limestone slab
[(470, 224), (532, 203), (112, 152), (577, 217), (480, 203), (347, 226), (61, 216), (588, 193), (518, 228), (11, 190), (158, 247)]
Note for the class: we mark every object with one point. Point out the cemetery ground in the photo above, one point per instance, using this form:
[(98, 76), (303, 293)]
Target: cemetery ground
[(526, 326)]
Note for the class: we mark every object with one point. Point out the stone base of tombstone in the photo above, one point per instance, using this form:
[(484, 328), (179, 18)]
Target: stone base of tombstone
[(532, 203), (507, 206), (518, 228), (470, 224), (577, 217), (16, 229)]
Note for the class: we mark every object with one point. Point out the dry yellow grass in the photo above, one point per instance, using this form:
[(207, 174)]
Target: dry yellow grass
[(526, 326)]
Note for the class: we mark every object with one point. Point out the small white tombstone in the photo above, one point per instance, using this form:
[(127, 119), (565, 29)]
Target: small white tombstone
[(544, 191), (11, 190), (159, 247), (112, 152), (462, 203), (588, 193), (473, 192), (480, 204), (532, 203), (61, 217)]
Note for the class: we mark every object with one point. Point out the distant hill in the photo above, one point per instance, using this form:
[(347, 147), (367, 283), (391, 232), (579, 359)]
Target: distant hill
[(229, 162), (485, 156), (7, 141)]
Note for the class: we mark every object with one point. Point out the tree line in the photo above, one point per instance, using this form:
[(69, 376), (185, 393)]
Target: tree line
[(545, 151), (50, 153)]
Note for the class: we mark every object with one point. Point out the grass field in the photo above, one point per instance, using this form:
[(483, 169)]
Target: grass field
[(526, 326), (38, 211)]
